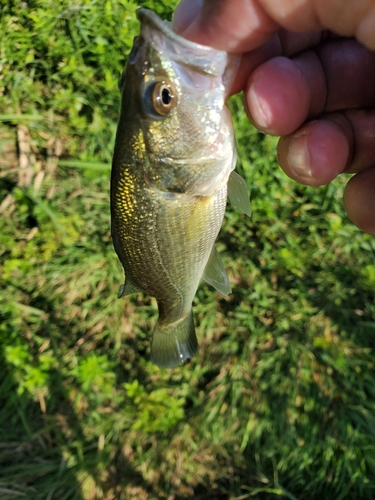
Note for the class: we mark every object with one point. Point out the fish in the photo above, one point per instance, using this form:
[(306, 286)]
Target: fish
[(174, 155)]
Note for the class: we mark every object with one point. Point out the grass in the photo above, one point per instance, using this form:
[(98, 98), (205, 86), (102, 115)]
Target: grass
[(280, 401)]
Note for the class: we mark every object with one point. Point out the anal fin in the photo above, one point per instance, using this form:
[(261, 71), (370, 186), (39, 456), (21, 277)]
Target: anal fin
[(215, 274), (127, 289), (238, 193)]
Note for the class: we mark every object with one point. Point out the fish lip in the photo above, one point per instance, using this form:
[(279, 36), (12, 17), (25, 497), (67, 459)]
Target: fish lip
[(146, 15), (200, 58)]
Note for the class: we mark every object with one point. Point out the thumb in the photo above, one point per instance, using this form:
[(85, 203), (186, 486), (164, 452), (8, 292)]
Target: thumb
[(230, 25), (242, 25)]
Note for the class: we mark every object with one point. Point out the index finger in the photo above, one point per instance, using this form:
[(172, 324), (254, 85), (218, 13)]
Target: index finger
[(242, 25)]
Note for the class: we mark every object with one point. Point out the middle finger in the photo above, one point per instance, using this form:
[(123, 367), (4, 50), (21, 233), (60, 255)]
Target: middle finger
[(337, 75)]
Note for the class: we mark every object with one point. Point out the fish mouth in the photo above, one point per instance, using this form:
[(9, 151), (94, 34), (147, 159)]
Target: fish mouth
[(161, 36), (146, 16), (201, 185)]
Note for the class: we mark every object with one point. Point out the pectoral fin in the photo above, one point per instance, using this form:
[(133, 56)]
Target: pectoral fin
[(127, 289), (238, 193), (215, 274)]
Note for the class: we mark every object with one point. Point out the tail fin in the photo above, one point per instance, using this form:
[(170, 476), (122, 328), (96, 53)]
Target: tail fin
[(172, 344)]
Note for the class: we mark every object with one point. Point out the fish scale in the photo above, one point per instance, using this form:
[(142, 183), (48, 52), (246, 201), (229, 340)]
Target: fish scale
[(173, 156)]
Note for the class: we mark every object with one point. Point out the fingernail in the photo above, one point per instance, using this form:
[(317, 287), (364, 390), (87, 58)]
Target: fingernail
[(186, 12), (299, 157)]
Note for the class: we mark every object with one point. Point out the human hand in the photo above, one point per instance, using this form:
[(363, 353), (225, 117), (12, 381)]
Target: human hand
[(306, 79)]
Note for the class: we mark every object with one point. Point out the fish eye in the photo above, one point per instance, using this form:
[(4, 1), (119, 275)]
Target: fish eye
[(163, 98)]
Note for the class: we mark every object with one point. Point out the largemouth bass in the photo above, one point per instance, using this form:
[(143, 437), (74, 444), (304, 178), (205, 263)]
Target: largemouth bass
[(173, 156)]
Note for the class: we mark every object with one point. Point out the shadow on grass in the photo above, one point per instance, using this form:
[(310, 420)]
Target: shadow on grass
[(303, 394), (53, 449), (44, 450), (350, 313)]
